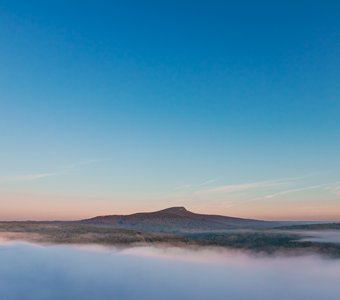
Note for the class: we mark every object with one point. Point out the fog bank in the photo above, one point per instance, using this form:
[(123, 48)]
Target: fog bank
[(322, 236), (60, 272)]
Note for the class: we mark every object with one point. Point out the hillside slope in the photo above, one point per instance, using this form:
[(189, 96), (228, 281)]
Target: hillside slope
[(177, 219)]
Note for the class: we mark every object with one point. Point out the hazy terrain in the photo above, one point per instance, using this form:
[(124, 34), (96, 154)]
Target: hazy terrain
[(171, 254), (179, 227)]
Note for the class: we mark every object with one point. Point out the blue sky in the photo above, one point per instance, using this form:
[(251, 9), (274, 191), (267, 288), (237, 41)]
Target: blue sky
[(110, 106)]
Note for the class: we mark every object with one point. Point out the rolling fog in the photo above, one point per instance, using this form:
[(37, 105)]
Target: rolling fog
[(322, 236), (65, 272)]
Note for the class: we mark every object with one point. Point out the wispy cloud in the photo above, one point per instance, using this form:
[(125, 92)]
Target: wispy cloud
[(296, 190), (183, 187), (232, 188), (328, 186), (257, 185), (27, 177), (193, 187), (237, 194), (209, 181), (37, 176), (334, 188)]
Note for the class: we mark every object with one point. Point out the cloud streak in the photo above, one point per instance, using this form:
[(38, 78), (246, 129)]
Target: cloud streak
[(28, 177), (281, 193), (334, 188), (285, 192), (207, 182), (183, 187), (232, 188), (38, 176)]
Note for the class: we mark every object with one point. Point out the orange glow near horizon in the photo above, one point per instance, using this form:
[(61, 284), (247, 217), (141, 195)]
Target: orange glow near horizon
[(52, 209)]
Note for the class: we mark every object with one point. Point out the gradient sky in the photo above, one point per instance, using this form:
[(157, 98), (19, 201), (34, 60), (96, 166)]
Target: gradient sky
[(228, 107)]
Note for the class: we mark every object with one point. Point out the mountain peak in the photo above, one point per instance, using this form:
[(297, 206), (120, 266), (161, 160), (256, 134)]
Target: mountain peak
[(176, 219), (175, 209)]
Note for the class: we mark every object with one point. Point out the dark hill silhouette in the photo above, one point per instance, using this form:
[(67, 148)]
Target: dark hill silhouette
[(178, 219)]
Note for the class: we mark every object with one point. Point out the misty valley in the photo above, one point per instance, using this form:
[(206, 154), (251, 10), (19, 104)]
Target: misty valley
[(169, 254), (179, 227), (35, 272)]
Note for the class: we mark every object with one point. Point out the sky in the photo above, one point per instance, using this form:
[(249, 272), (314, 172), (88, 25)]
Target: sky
[(226, 107)]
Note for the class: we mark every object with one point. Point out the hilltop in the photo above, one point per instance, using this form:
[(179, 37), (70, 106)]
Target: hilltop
[(178, 219)]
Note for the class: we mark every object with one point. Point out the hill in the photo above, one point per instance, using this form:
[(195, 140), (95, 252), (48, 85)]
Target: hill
[(178, 219)]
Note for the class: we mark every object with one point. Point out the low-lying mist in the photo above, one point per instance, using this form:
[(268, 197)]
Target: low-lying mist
[(145, 273), (321, 236)]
